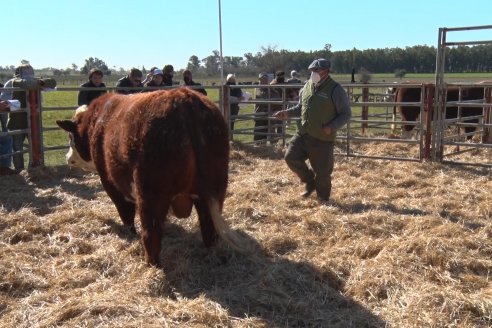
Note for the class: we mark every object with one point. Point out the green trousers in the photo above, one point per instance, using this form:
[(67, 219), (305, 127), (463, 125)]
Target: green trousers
[(320, 156)]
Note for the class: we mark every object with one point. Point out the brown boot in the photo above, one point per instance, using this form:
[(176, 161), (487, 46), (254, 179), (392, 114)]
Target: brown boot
[(308, 189), (7, 171)]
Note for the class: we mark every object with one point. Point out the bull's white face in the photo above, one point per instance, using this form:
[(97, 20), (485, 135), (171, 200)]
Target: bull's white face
[(74, 159)]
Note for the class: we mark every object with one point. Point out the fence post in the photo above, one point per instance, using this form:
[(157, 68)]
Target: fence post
[(225, 107), (487, 135), (34, 98), (365, 109), (428, 94)]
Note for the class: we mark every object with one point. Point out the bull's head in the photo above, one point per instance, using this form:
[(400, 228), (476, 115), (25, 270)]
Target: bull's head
[(79, 153)]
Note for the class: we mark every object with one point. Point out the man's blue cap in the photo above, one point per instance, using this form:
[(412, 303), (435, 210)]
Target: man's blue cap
[(320, 63)]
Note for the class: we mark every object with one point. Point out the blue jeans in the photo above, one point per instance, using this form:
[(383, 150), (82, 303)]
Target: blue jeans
[(18, 145), (5, 148)]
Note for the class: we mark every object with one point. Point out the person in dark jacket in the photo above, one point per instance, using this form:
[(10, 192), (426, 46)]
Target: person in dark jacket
[(168, 75), (132, 80), (235, 96), (95, 81), (188, 81)]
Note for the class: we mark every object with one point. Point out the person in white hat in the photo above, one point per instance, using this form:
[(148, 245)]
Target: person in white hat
[(235, 96), (323, 109)]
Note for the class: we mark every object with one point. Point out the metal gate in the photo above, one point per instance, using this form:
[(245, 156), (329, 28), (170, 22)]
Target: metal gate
[(446, 147)]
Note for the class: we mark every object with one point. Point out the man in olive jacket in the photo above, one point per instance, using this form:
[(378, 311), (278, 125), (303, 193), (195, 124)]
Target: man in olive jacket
[(323, 109)]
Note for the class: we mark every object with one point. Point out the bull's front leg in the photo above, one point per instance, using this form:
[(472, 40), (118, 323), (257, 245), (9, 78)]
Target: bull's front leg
[(125, 209)]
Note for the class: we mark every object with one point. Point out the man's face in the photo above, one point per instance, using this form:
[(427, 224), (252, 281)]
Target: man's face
[(96, 79), (323, 72), (136, 80)]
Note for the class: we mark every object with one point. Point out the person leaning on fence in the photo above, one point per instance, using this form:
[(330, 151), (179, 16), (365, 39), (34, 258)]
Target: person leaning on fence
[(148, 77), (293, 93), (168, 75), (5, 141), (95, 81), (262, 110), (188, 81), (156, 81), (25, 80), (277, 94), (132, 80), (235, 96), (323, 108)]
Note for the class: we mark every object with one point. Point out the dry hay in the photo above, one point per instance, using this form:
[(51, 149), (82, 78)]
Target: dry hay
[(401, 244)]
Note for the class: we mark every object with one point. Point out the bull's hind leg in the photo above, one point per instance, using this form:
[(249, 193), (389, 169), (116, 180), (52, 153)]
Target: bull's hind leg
[(209, 234), (126, 209), (152, 211)]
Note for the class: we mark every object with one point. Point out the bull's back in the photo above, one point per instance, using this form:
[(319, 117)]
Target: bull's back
[(170, 141)]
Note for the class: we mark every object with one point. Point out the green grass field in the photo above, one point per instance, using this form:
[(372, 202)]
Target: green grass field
[(60, 104)]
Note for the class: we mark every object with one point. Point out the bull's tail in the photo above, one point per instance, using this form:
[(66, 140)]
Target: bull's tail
[(231, 237), (198, 144)]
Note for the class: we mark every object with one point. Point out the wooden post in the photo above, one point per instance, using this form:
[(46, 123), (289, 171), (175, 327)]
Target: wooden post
[(487, 116), (365, 108), (428, 94), (226, 110), (36, 151)]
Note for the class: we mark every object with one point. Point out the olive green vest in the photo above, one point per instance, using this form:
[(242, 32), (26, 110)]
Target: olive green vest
[(317, 109), (18, 121)]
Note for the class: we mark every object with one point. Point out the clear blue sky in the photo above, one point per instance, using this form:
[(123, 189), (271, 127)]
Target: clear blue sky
[(57, 33)]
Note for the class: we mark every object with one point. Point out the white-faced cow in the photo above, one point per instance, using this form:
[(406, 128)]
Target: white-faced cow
[(154, 152), (413, 94)]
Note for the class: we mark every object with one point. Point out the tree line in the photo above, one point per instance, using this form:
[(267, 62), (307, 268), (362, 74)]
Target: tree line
[(415, 59)]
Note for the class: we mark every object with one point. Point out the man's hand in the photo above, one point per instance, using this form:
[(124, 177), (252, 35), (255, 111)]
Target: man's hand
[(327, 130), (4, 106), (281, 115)]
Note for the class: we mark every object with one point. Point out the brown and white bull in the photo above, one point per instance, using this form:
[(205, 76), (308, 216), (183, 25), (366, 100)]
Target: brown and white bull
[(466, 115), (154, 152)]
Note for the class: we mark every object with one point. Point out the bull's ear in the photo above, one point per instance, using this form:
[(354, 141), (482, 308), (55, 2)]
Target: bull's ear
[(67, 125)]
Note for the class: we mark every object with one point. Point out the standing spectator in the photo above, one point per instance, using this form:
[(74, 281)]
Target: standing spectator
[(148, 77), (293, 93), (262, 110), (277, 94), (235, 96), (156, 81), (188, 81), (132, 80), (294, 78), (168, 75), (323, 108), (5, 141), (24, 79), (95, 81)]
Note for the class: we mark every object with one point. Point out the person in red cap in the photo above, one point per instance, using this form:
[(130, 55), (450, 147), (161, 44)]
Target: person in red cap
[(323, 108)]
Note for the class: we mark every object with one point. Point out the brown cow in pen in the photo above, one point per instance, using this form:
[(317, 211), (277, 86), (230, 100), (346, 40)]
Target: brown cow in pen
[(466, 115), (154, 152)]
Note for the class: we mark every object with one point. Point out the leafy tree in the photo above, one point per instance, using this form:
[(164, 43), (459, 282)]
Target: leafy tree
[(193, 64), (212, 63), (95, 63)]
